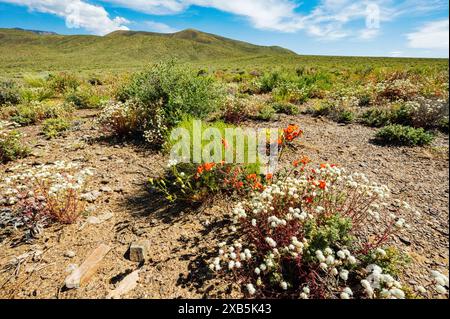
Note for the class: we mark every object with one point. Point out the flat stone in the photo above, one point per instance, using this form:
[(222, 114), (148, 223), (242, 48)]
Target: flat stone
[(91, 196), (70, 254), (125, 286), (84, 273), (139, 251)]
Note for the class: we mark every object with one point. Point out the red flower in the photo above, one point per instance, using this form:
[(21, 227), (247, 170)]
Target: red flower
[(322, 184), (209, 166)]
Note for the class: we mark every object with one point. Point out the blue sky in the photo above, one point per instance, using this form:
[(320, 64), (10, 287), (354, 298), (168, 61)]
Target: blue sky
[(413, 28)]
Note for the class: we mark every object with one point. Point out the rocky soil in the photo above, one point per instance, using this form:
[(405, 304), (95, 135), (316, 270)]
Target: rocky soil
[(181, 240)]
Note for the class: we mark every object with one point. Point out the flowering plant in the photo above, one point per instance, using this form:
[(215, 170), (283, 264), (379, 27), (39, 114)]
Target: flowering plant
[(41, 195), (319, 234)]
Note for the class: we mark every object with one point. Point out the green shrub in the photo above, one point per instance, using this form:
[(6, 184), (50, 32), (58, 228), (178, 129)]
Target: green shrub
[(63, 82), (443, 125), (11, 147), (269, 81), (178, 89), (34, 112), (36, 94), (266, 113), (346, 116), (376, 117), (83, 98), (286, 108), (52, 128), (9, 93), (403, 135)]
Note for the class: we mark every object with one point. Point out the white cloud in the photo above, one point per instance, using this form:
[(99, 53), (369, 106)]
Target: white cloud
[(159, 27), (77, 14), (327, 20), (433, 35)]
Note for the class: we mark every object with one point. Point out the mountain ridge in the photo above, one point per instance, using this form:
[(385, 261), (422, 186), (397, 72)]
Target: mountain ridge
[(56, 51)]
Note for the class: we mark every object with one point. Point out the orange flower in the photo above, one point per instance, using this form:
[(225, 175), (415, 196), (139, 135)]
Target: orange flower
[(322, 184), (269, 176), (280, 141), (200, 170), (296, 163), (323, 165), (252, 177), (239, 185), (305, 160), (209, 166), (258, 186)]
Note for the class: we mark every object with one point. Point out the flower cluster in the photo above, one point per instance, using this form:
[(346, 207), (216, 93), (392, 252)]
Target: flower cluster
[(38, 195), (319, 234)]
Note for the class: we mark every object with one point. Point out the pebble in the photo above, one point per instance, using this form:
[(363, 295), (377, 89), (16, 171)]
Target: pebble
[(70, 254)]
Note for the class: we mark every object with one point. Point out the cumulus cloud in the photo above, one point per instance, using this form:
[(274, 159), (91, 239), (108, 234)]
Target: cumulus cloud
[(433, 35), (77, 14)]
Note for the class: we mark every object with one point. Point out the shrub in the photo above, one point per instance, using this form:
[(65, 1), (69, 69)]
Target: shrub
[(193, 183), (35, 112), (403, 135), (11, 147), (63, 82), (443, 125), (306, 237), (286, 108), (134, 119), (9, 93), (177, 88), (269, 81), (36, 94), (345, 116), (83, 98), (235, 110), (265, 113), (52, 128)]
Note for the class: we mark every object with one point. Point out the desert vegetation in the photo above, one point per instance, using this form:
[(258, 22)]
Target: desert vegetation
[(83, 149)]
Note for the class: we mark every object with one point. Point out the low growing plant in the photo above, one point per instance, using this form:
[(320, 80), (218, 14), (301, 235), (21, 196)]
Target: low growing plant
[(403, 135)]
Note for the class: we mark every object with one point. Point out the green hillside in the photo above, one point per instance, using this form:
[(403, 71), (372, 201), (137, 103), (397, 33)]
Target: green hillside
[(29, 51)]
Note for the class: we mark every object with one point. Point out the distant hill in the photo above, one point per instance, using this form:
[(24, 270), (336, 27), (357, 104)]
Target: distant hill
[(36, 31), (30, 50)]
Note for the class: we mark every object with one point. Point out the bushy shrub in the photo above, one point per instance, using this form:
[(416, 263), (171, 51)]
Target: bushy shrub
[(265, 113), (52, 128), (188, 182), (286, 108), (63, 82), (345, 116), (235, 110), (9, 93), (83, 98), (11, 146), (38, 94), (134, 119), (403, 135), (35, 112), (177, 89)]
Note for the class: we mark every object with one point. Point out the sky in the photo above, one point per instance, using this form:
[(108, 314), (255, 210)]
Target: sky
[(395, 28)]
